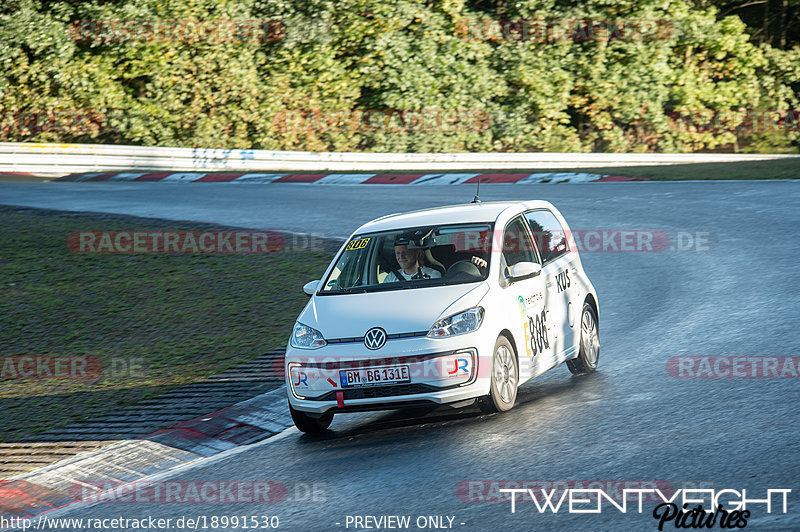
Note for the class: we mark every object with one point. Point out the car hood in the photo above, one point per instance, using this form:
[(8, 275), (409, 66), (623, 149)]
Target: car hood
[(396, 311)]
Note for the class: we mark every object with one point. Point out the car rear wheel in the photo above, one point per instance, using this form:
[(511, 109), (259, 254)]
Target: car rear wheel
[(504, 379), (309, 424), (589, 354)]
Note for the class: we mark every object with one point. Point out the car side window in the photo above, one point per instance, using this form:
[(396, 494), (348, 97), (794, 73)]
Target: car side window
[(517, 243), (551, 239)]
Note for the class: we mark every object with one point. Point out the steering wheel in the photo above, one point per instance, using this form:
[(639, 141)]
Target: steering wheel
[(465, 267)]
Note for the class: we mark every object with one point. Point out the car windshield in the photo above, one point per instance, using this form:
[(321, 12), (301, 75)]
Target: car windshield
[(414, 257)]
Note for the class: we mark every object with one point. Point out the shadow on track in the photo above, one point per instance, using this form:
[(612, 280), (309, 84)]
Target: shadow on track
[(531, 399)]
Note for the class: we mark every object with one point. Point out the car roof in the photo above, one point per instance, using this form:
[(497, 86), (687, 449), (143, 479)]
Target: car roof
[(450, 214)]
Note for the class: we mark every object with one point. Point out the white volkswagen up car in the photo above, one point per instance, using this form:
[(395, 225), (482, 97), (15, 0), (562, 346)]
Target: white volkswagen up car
[(442, 306)]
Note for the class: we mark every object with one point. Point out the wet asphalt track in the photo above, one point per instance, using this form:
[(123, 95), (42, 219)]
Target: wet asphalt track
[(629, 421)]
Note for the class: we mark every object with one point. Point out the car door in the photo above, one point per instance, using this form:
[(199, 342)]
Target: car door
[(526, 297), (559, 275)]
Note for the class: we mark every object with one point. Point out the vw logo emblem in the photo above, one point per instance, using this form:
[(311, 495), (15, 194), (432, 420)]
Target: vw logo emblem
[(375, 338)]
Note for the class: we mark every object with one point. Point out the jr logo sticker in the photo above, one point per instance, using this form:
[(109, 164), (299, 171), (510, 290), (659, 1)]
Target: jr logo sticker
[(459, 364)]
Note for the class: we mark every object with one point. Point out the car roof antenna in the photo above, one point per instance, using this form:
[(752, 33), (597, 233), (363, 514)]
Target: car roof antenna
[(477, 198)]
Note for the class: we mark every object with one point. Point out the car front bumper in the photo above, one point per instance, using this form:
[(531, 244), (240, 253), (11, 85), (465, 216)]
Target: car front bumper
[(441, 371)]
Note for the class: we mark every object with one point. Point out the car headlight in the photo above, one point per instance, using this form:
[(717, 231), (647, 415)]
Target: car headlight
[(306, 337), (462, 323)]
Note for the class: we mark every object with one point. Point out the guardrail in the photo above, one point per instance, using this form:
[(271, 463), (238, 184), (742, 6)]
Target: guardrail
[(61, 159)]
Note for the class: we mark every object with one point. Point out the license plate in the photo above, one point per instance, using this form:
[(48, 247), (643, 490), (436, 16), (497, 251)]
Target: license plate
[(374, 376)]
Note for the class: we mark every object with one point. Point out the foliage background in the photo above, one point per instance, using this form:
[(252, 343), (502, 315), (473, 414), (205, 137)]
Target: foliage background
[(338, 58)]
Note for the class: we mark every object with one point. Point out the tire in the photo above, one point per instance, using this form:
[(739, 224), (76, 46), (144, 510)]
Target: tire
[(589, 354), (504, 379), (311, 425)]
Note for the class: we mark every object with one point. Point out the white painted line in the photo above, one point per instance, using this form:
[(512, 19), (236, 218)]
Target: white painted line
[(128, 176), (110, 461), (258, 178), (273, 397), (442, 179), (585, 178), (559, 177), (184, 176), (182, 468)]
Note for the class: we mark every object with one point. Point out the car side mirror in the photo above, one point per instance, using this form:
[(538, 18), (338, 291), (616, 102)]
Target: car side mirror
[(310, 288), (523, 270)]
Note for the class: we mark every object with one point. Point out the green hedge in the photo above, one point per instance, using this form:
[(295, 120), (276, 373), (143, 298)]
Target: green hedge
[(311, 74)]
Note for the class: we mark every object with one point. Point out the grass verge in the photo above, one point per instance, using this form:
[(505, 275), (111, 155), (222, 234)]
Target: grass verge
[(179, 317), (777, 169), (745, 170)]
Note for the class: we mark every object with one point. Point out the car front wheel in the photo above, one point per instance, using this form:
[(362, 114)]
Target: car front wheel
[(505, 376), (589, 354), (308, 424)]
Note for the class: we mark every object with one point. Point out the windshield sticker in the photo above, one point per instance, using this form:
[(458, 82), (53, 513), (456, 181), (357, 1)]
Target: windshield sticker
[(361, 243)]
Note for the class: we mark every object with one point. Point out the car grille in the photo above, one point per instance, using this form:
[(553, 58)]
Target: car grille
[(376, 392)]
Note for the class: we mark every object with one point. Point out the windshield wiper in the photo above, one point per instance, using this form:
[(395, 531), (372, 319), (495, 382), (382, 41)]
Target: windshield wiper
[(352, 290)]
